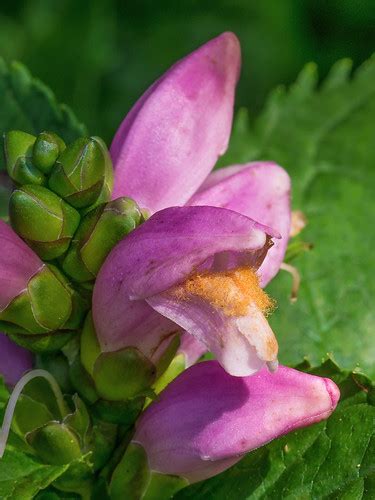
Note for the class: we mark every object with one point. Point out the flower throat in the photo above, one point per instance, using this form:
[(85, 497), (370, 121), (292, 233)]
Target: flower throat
[(232, 291)]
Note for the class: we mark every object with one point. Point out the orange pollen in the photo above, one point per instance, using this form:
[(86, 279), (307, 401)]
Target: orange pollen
[(232, 291)]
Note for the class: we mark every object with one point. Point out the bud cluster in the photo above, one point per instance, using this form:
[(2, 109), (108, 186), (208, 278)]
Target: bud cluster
[(61, 209)]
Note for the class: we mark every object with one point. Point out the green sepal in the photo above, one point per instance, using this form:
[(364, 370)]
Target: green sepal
[(57, 364), (103, 442), (90, 348), (124, 413), (133, 480), (106, 192), (40, 390), (79, 420), (163, 486), (44, 220), (80, 300), (18, 317), (296, 247), (18, 148), (43, 307), (167, 356), (100, 230), (132, 475), (116, 220), (78, 479), (79, 174), (55, 443), (82, 382), (123, 374), (51, 301), (176, 367), (24, 172), (51, 342), (46, 150), (29, 415)]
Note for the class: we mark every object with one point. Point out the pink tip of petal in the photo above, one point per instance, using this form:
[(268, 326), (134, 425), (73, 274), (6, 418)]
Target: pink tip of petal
[(333, 391), (171, 139)]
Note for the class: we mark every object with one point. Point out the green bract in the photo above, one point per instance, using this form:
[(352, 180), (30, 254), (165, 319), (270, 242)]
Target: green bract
[(98, 233), (133, 479), (79, 174), (46, 150), (43, 307), (18, 147), (45, 221)]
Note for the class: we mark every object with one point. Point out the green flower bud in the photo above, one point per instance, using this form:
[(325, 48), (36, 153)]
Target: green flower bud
[(18, 147), (55, 443), (100, 230), (81, 300), (79, 421), (90, 348), (29, 415), (133, 479), (106, 192), (124, 413), (132, 475), (82, 382), (103, 443), (47, 148), (80, 172), (44, 220), (112, 368), (43, 307), (51, 342)]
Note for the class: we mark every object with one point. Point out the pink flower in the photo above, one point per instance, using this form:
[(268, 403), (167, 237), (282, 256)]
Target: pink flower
[(205, 420), (196, 266)]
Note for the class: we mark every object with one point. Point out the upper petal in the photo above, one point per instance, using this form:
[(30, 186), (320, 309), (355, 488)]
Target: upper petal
[(161, 253), (205, 420), (259, 190), (18, 263), (172, 137)]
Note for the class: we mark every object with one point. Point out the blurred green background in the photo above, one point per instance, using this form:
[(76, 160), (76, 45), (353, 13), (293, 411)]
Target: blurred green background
[(99, 55)]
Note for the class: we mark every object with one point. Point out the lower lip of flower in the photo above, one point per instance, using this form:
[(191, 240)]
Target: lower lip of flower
[(237, 293)]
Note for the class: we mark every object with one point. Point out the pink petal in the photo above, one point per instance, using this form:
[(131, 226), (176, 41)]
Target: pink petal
[(171, 139), (205, 420), (259, 190), (191, 349), (14, 360), (18, 263)]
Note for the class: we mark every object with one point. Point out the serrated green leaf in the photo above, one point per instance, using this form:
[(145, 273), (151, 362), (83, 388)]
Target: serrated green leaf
[(325, 139), (22, 476), (27, 104), (333, 459)]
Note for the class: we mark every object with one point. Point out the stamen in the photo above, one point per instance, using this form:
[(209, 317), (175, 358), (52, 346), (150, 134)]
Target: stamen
[(232, 291), (18, 388), (296, 280), (273, 365), (298, 222)]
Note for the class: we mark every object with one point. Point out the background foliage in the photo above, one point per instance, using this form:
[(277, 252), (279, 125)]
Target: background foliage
[(99, 55)]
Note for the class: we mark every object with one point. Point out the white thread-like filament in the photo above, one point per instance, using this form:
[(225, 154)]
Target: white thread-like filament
[(18, 388)]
